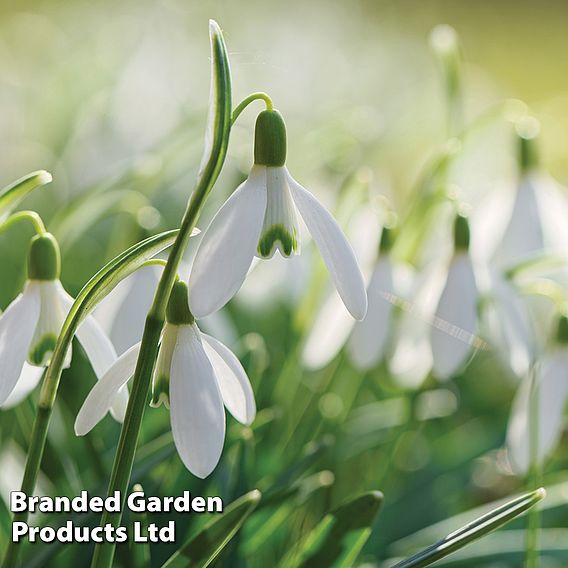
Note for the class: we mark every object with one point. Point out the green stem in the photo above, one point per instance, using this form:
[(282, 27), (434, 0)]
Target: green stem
[(30, 216), (246, 102), (535, 474), (124, 458)]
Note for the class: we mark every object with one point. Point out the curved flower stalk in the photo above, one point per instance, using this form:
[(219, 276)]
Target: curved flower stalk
[(367, 340), (261, 218), (194, 376), (455, 318), (31, 324), (551, 392)]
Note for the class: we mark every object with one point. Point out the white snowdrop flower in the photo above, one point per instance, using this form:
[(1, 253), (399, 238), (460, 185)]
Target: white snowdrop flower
[(455, 319), (552, 395), (195, 376), (333, 324), (367, 339), (411, 360), (31, 324), (260, 218)]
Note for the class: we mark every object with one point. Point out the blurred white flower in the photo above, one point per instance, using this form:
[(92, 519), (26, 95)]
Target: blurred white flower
[(194, 375), (31, 324), (551, 392), (367, 339), (260, 218)]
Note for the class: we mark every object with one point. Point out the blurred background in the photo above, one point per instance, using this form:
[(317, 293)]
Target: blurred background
[(111, 97)]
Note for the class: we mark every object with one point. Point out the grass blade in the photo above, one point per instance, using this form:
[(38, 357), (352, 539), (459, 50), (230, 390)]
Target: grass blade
[(339, 537), (205, 546), (474, 530)]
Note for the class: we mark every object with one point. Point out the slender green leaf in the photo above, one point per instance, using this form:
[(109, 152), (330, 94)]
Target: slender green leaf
[(11, 196), (474, 530), (205, 546), (339, 537)]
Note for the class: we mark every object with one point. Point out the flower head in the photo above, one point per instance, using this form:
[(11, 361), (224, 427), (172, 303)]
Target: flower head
[(455, 319), (260, 218), (31, 324), (195, 376), (551, 391)]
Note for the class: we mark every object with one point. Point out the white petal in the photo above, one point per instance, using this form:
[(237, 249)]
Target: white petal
[(329, 333), (103, 394), (369, 339), (335, 249), (228, 246), (412, 358), (233, 381), (27, 382), (196, 405), (523, 235), (17, 325), (123, 312), (552, 395), (455, 320), (52, 314), (508, 326)]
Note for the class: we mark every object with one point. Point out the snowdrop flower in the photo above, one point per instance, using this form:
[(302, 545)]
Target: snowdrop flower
[(367, 339), (455, 319), (194, 375), (260, 218), (31, 324), (552, 395)]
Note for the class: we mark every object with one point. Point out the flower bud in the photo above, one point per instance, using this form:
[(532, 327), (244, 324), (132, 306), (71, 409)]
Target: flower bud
[(177, 311), (562, 331), (527, 132), (44, 258), (270, 139), (387, 239), (461, 233)]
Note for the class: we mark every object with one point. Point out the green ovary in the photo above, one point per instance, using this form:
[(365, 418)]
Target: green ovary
[(274, 235), (42, 350)]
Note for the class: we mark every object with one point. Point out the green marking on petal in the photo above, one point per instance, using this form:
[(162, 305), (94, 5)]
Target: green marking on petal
[(42, 350), (161, 392), (275, 234)]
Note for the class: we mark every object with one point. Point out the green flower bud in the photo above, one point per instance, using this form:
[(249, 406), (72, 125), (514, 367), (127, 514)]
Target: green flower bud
[(44, 258), (461, 233), (527, 132), (177, 311), (270, 139), (562, 331), (386, 240)]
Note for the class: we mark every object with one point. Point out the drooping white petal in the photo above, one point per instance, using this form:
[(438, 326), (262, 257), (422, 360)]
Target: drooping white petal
[(27, 382), (455, 320), (412, 357), (228, 246), (123, 312), (523, 235), (508, 328), (99, 350), (196, 406), (329, 333), (552, 393), (233, 381), (17, 326), (103, 395), (335, 249), (369, 338), (280, 229), (50, 321)]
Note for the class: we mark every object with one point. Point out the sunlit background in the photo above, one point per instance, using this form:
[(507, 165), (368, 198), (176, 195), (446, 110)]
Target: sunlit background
[(111, 97)]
